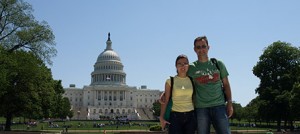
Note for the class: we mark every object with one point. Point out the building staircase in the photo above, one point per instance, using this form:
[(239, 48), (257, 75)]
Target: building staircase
[(145, 114)]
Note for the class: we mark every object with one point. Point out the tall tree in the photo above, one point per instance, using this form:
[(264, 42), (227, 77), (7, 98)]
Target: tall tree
[(20, 30), (295, 102), (27, 77), (278, 70), (27, 87), (250, 112), (61, 108), (4, 71)]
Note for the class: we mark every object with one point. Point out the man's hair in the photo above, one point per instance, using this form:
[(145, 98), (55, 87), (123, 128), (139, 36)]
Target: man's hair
[(200, 39)]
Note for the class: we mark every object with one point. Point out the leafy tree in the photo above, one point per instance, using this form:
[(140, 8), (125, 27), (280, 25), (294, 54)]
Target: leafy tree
[(27, 79), (19, 30), (61, 106), (278, 70), (250, 112), (156, 108), (237, 111), (266, 107), (295, 102), (4, 71), (31, 91), (27, 87)]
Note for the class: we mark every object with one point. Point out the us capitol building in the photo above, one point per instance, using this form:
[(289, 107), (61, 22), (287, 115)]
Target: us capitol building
[(108, 96)]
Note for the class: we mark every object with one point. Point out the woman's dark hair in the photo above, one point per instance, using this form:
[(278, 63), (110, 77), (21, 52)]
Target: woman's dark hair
[(180, 57)]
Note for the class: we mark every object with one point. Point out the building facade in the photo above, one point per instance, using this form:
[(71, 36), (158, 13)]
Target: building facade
[(108, 96)]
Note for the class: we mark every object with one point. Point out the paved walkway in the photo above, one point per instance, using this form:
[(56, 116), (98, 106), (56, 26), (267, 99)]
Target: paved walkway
[(117, 131), (134, 132)]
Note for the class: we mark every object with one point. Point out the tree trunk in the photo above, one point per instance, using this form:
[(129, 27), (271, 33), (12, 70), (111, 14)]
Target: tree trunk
[(292, 125), (8, 122), (285, 124), (278, 125)]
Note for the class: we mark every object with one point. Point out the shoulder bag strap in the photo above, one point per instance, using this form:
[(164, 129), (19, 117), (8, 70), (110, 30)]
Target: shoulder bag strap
[(214, 60), (171, 89)]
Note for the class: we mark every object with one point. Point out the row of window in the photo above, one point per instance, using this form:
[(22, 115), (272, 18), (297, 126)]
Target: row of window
[(110, 99), (105, 92), (108, 77), (111, 95), (113, 67), (107, 111), (109, 57), (146, 95), (75, 99), (141, 100), (110, 104)]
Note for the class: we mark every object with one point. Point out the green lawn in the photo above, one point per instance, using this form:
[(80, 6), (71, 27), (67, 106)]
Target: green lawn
[(91, 127), (84, 125)]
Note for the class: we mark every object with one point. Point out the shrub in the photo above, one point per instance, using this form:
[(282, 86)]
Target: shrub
[(155, 128)]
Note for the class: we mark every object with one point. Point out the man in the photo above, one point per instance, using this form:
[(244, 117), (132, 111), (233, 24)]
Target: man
[(210, 80)]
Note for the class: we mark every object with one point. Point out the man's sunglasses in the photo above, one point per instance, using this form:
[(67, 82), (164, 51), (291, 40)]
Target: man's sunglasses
[(201, 47)]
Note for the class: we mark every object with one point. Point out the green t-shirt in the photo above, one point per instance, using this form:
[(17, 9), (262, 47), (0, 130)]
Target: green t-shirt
[(208, 83)]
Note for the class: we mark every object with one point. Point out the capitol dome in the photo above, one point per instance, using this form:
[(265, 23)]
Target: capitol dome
[(108, 69), (108, 55)]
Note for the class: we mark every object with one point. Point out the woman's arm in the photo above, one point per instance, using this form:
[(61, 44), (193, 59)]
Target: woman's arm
[(167, 92)]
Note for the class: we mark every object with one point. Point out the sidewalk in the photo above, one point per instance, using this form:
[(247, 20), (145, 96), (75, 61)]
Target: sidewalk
[(118, 131)]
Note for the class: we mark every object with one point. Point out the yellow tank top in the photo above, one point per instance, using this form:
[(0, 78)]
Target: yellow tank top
[(182, 94)]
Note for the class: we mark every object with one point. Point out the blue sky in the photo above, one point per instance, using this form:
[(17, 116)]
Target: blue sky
[(148, 35)]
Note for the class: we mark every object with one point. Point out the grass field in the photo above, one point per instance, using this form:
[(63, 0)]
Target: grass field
[(90, 126)]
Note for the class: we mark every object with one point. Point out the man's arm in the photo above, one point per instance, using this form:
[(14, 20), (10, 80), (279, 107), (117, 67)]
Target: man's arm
[(228, 96)]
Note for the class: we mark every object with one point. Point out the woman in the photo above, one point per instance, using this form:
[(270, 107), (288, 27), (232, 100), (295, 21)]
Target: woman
[(182, 119)]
